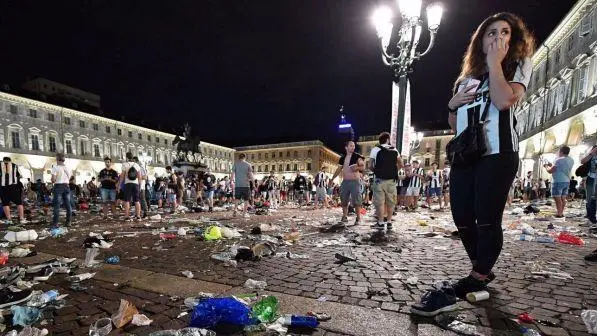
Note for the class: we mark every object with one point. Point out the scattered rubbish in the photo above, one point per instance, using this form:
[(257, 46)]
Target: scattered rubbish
[(253, 284), (525, 318), (321, 317), (567, 238), (18, 252), (450, 322), (191, 302), (589, 317), (168, 236), (188, 274), (112, 260), (230, 233), (3, 258), (299, 321), (184, 332), (29, 331), (21, 236), (96, 241), (155, 217), (344, 257), (39, 299), (25, 316), (477, 296), (529, 332), (125, 313), (211, 311), (80, 277), (322, 298), (256, 230), (264, 249), (141, 320), (59, 231), (182, 231), (266, 309), (537, 239), (182, 314), (291, 255), (101, 327), (77, 287), (213, 232)]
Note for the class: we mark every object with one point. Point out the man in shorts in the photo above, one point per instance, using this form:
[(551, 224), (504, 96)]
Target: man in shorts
[(351, 165), (321, 181), (242, 175), (131, 176), (384, 161), (416, 176), (209, 188), (108, 178)]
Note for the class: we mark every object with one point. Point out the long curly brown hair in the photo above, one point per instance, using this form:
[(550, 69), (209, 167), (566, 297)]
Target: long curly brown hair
[(521, 46)]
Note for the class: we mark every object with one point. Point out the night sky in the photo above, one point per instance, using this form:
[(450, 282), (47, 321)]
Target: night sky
[(242, 72)]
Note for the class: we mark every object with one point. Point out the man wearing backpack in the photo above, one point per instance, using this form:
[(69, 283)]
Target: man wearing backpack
[(385, 162), (131, 176)]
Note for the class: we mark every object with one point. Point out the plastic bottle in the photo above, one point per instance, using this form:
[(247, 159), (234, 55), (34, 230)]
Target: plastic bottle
[(266, 309), (300, 321), (42, 298), (537, 239), (113, 260)]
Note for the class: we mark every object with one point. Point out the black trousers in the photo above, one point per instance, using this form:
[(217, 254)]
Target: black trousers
[(478, 194)]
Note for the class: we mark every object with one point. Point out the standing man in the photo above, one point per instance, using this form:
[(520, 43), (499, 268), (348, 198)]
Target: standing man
[(61, 176), (131, 176), (208, 186), (10, 190), (416, 176), (435, 186), (561, 179), (527, 186), (384, 161), (172, 189), (300, 187), (271, 184), (321, 181), (351, 165), (108, 178), (242, 175), (142, 187)]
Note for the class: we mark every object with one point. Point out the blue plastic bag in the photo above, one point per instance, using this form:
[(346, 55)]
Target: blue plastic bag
[(211, 311), (24, 316)]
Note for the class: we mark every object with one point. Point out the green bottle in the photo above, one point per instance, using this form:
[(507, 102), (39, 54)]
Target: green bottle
[(266, 309)]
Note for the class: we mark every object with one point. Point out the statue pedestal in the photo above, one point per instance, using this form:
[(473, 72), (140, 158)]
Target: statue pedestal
[(188, 168)]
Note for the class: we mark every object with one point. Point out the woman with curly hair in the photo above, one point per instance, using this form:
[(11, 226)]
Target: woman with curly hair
[(496, 70)]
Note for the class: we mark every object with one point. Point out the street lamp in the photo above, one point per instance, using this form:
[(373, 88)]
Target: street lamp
[(401, 61)]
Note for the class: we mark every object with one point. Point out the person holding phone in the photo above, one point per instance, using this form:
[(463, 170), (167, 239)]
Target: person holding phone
[(498, 56)]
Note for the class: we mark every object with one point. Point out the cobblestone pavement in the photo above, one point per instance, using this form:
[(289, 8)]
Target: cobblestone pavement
[(377, 280)]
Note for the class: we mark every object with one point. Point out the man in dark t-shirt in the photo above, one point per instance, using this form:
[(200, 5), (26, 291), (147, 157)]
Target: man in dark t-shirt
[(108, 178), (209, 181)]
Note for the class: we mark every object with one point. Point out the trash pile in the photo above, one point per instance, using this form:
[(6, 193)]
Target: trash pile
[(249, 312)]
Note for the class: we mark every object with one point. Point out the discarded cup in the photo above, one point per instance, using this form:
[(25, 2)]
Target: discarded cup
[(477, 296), (101, 327), (188, 274)]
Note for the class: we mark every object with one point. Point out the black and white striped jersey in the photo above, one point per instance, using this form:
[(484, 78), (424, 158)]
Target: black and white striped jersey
[(10, 174), (416, 181), (500, 125), (435, 179)]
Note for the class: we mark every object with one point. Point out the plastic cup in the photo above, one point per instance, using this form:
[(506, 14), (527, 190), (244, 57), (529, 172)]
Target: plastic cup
[(101, 327), (477, 296)]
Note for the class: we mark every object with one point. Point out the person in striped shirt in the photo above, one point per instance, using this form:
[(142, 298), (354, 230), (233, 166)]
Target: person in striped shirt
[(496, 71), (416, 176), (435, 185), (11, 191)]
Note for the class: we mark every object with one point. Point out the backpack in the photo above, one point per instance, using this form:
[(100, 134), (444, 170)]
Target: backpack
[(583, 169), (132, 173), (385, 163)]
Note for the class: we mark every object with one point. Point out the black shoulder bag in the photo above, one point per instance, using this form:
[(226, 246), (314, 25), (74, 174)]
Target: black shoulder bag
[(469, 146)]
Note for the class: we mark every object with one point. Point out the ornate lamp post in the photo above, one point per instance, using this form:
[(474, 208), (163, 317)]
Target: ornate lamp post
[(401, 59)]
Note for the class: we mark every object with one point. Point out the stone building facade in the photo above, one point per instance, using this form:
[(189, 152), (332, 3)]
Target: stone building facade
[(31, 132), (560, 104), (284, 159)]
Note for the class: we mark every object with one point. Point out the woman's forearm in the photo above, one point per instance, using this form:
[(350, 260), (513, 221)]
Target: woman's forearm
[(501, 92)]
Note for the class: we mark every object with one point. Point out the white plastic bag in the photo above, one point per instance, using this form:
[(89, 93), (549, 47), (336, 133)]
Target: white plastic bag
[(141, 320), (589, 317)]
